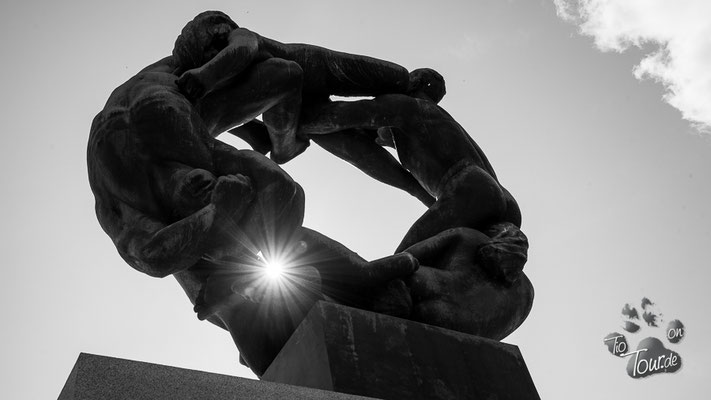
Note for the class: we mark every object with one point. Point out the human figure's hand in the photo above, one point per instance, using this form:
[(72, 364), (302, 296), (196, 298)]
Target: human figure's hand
[(231, 195), (285, 154), (191, 85), (196, 187), (188, 190)]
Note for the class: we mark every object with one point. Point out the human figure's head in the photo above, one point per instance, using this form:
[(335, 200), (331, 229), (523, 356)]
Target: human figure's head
[(202, 38), (427, 83)]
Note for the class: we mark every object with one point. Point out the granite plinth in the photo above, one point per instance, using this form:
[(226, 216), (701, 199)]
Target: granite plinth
[(107, 378), (354, 351)]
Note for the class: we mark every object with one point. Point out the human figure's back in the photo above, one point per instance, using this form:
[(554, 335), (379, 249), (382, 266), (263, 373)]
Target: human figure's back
[(130, 138)]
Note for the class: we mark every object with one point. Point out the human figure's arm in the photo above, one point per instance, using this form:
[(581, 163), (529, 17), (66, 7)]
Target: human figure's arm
[(425, 87), (160, 249), (358, 147), (241, 50), (347, 278)]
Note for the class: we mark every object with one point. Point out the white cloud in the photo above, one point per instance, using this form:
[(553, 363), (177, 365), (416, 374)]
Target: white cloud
[(679, 33)]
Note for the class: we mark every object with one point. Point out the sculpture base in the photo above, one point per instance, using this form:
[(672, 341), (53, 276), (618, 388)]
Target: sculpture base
[(107, 378), (358, 352)]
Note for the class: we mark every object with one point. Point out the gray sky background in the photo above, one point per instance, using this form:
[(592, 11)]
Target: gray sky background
[(613, 183)]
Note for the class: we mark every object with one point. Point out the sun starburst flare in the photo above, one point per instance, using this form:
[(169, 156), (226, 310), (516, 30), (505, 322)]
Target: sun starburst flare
[(273, 269)]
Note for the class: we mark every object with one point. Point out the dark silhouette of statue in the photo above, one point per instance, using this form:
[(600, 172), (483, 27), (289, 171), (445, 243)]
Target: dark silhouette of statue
[(245, 75), (215, 53), (176, 201), (468, 242)]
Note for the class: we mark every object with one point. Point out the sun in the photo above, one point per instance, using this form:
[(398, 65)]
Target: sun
[(273, 269)]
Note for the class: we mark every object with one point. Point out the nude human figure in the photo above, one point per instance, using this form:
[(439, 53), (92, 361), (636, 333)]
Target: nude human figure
[(434, 148), (358, 147), (175, 200), (233, 75), (472, 281), (468, 243), (218, 56)]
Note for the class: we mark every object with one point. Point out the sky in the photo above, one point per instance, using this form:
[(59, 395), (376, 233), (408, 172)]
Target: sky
[(595, 116)]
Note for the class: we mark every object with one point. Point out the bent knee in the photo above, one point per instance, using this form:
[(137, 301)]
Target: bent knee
[(282, 72)]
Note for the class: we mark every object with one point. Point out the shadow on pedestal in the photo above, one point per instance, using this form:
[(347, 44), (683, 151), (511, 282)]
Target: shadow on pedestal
[(354, 351)]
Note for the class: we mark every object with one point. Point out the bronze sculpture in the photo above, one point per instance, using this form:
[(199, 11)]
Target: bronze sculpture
[(176, 201), (471, 233)]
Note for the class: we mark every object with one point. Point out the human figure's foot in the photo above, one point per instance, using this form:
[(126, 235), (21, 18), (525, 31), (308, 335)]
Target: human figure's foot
[(282, 153)]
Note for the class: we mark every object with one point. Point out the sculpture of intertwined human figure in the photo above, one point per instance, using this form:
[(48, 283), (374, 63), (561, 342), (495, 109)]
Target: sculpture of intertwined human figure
[(468, 242), (175, 200)]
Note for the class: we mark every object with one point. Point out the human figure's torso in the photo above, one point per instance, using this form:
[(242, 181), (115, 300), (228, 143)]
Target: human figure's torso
[(447, 146), (130, 143)]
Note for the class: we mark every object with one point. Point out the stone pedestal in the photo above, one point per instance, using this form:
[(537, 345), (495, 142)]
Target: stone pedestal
[(107, 378), (353, 351), (336, 353)]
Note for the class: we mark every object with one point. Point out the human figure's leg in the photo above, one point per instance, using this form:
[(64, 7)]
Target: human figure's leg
[(434, 277), (383, 111), (501, 251), (256, 135), (497, 296), (358, 148), (282, 119), (471, 198), (271, 88), (328, 72), (348, 278)]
